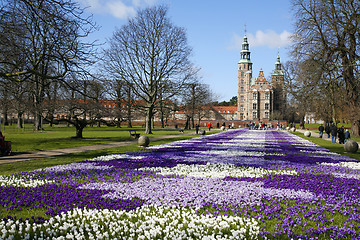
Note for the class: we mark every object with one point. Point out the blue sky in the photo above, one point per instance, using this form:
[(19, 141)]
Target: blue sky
[(215, 31)]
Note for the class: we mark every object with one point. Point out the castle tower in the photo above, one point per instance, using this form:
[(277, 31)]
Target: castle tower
[(244, 80), (277, 78)]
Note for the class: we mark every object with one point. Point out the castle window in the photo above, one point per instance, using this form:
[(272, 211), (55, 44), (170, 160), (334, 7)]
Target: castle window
[(266, 106), (242, 74), (242, 98), (267, 95), (254, 95), (242, 81), (254, 115), (241, 107), (266, 114), (242, 89), (254, 106)]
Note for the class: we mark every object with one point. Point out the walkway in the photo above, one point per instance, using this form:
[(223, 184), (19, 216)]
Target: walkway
[(58, 152)]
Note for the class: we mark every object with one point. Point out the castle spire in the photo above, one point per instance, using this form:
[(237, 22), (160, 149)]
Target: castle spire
[(278, 63), (278, 67), (245, 52)]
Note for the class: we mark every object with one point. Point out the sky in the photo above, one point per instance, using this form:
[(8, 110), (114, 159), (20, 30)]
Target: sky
[(215, 31)]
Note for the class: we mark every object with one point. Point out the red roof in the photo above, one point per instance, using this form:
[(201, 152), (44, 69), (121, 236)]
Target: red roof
[(227, 109)]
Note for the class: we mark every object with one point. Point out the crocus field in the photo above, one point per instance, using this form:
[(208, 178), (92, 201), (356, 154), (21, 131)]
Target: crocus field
[(238, 184)]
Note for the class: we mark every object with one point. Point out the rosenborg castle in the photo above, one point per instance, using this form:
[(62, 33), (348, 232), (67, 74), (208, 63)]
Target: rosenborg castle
[(258, 99)]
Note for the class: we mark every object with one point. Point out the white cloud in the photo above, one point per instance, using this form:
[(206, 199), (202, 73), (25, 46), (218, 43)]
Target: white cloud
[(142, 3), (118, 8), (268, 38)]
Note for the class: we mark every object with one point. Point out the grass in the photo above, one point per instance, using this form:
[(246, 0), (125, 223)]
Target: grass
[(334, 147), (315, 126), (6, 169), (61, 136)]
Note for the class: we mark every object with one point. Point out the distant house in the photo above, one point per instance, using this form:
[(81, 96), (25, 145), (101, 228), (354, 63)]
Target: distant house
[(224, 113)]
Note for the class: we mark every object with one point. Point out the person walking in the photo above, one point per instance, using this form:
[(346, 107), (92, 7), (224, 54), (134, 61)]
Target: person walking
[(333, 131), (327, 130), (321, 130), (341, 135), (197, 128), (347, 136)]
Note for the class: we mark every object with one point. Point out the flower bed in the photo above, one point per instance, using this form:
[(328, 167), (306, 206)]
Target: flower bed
[(236, 184)]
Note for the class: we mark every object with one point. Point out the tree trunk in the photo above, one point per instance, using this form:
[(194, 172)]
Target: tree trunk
[(79, 132), (50, 118), (6, 120), (162, 119), (37, 121), (129, 124), (19, 122), (149, 115), (355, 128), (187, 123), (118, 123)]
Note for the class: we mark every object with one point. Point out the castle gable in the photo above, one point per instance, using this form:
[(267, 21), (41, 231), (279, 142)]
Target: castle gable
[(261, 83)]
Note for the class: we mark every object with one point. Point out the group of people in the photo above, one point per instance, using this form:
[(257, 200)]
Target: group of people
[(336, 133), (261, 126)]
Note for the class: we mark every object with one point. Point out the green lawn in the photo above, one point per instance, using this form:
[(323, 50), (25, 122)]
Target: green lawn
[(334, 147), (6, 169), (61, 136), (315, 126)]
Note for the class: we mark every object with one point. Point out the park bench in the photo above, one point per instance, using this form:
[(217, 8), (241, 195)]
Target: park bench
[(133, 134)]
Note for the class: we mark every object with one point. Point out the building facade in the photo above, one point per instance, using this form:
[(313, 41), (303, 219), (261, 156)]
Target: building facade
[(259, 99)]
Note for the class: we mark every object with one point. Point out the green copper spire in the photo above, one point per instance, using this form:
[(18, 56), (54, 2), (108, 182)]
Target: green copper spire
[(278, 68), (245, 52)]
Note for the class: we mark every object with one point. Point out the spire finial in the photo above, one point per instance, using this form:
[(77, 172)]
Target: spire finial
[(245, 28)]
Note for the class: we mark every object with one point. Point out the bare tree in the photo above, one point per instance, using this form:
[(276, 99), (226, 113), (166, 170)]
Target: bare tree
[(196, 98), (45, 39), (34, 31), (124, 97), (152, 55), (328, 33)]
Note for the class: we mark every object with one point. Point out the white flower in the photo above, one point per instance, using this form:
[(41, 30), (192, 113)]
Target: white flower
[(217, 170), (21, 181)]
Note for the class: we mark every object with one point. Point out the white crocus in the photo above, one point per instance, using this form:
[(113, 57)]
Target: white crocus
[(21, 181), (217, 170)]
